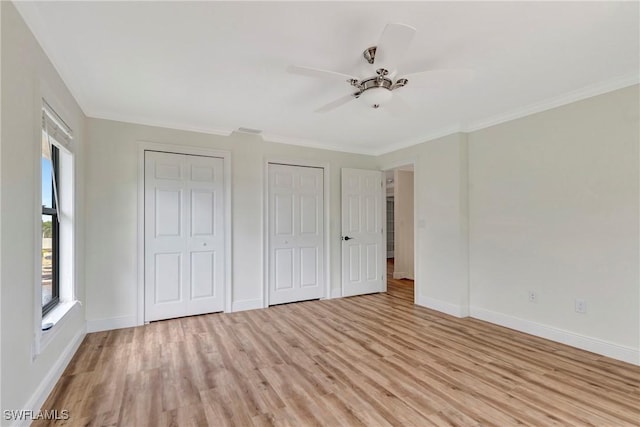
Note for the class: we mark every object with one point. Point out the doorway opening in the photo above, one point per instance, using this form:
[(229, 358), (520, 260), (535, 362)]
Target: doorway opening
[(400, 230)]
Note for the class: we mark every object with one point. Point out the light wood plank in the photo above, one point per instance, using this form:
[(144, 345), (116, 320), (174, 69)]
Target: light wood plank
[(360, 361)]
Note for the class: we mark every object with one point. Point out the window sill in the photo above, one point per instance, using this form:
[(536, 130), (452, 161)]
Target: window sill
[(58, 316)]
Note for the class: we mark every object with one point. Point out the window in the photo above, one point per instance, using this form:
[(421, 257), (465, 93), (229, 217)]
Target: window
[(55, 213), (50, 227)]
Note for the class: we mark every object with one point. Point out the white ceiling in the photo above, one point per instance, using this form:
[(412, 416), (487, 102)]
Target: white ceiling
[(218, 66)]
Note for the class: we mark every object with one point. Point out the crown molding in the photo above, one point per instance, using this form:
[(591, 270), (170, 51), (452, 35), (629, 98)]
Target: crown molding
[(321, 145), (162, 124), (570, 97), (419, 140), (267, 137)]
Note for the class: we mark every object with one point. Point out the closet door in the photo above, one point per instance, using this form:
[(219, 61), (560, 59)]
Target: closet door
[(184, 235), (296, 230)]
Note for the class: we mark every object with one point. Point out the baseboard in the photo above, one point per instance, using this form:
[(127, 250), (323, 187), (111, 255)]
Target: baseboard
[(53, 375), (247, 304), (594, 345), (402, 275), (98, 325), (442, 306)]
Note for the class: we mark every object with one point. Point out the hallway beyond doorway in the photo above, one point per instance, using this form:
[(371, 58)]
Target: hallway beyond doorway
[(400, 288)]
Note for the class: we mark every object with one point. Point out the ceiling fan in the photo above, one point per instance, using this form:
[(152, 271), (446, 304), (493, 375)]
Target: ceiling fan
[(378, 90)]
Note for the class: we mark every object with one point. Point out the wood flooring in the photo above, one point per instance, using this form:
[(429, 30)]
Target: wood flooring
[(373, 360)]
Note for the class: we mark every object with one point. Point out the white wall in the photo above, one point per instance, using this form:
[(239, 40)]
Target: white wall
[(403, 267), (554, 210), (440, 197), (27, 76), (112, 173), (547, 203)]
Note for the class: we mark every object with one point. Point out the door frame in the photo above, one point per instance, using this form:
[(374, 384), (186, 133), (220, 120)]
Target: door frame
[(417, 270), (194, 151), (265, 223)]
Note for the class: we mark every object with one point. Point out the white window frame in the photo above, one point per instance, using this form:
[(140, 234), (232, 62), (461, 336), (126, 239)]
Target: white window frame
[(62, 138)]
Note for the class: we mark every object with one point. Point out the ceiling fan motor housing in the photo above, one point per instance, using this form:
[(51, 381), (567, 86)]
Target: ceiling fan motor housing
[(374, 82)]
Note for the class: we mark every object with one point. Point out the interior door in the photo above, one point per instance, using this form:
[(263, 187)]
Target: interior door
[(184, 235), (296, 233), (363, 255)]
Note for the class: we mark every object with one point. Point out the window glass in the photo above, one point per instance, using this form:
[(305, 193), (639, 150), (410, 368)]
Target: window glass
[(47, 181), (50, 227), (47, 259)]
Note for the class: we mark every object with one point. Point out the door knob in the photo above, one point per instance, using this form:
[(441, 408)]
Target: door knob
[(347, 238)]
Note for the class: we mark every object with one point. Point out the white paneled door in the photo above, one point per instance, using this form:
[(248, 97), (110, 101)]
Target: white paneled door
[(184, 235), (363, 255), (296, 230)]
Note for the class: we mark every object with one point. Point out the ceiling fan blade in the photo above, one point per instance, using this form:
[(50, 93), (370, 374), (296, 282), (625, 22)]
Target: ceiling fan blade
[(335, 104), (439, 77), (317, 72), (392, 46)]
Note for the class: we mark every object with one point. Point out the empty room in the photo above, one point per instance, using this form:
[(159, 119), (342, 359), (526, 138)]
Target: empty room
[(319, 213)]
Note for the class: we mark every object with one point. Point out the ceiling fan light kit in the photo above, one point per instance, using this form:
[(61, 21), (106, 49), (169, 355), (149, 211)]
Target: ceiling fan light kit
[(376, 96)]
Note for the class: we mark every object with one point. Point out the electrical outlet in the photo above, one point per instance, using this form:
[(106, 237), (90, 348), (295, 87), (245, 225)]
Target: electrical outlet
[(533, 297), (581, 306)]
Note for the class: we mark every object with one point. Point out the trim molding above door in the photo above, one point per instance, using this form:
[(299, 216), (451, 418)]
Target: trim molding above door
[(194, 151), (265, 225)]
